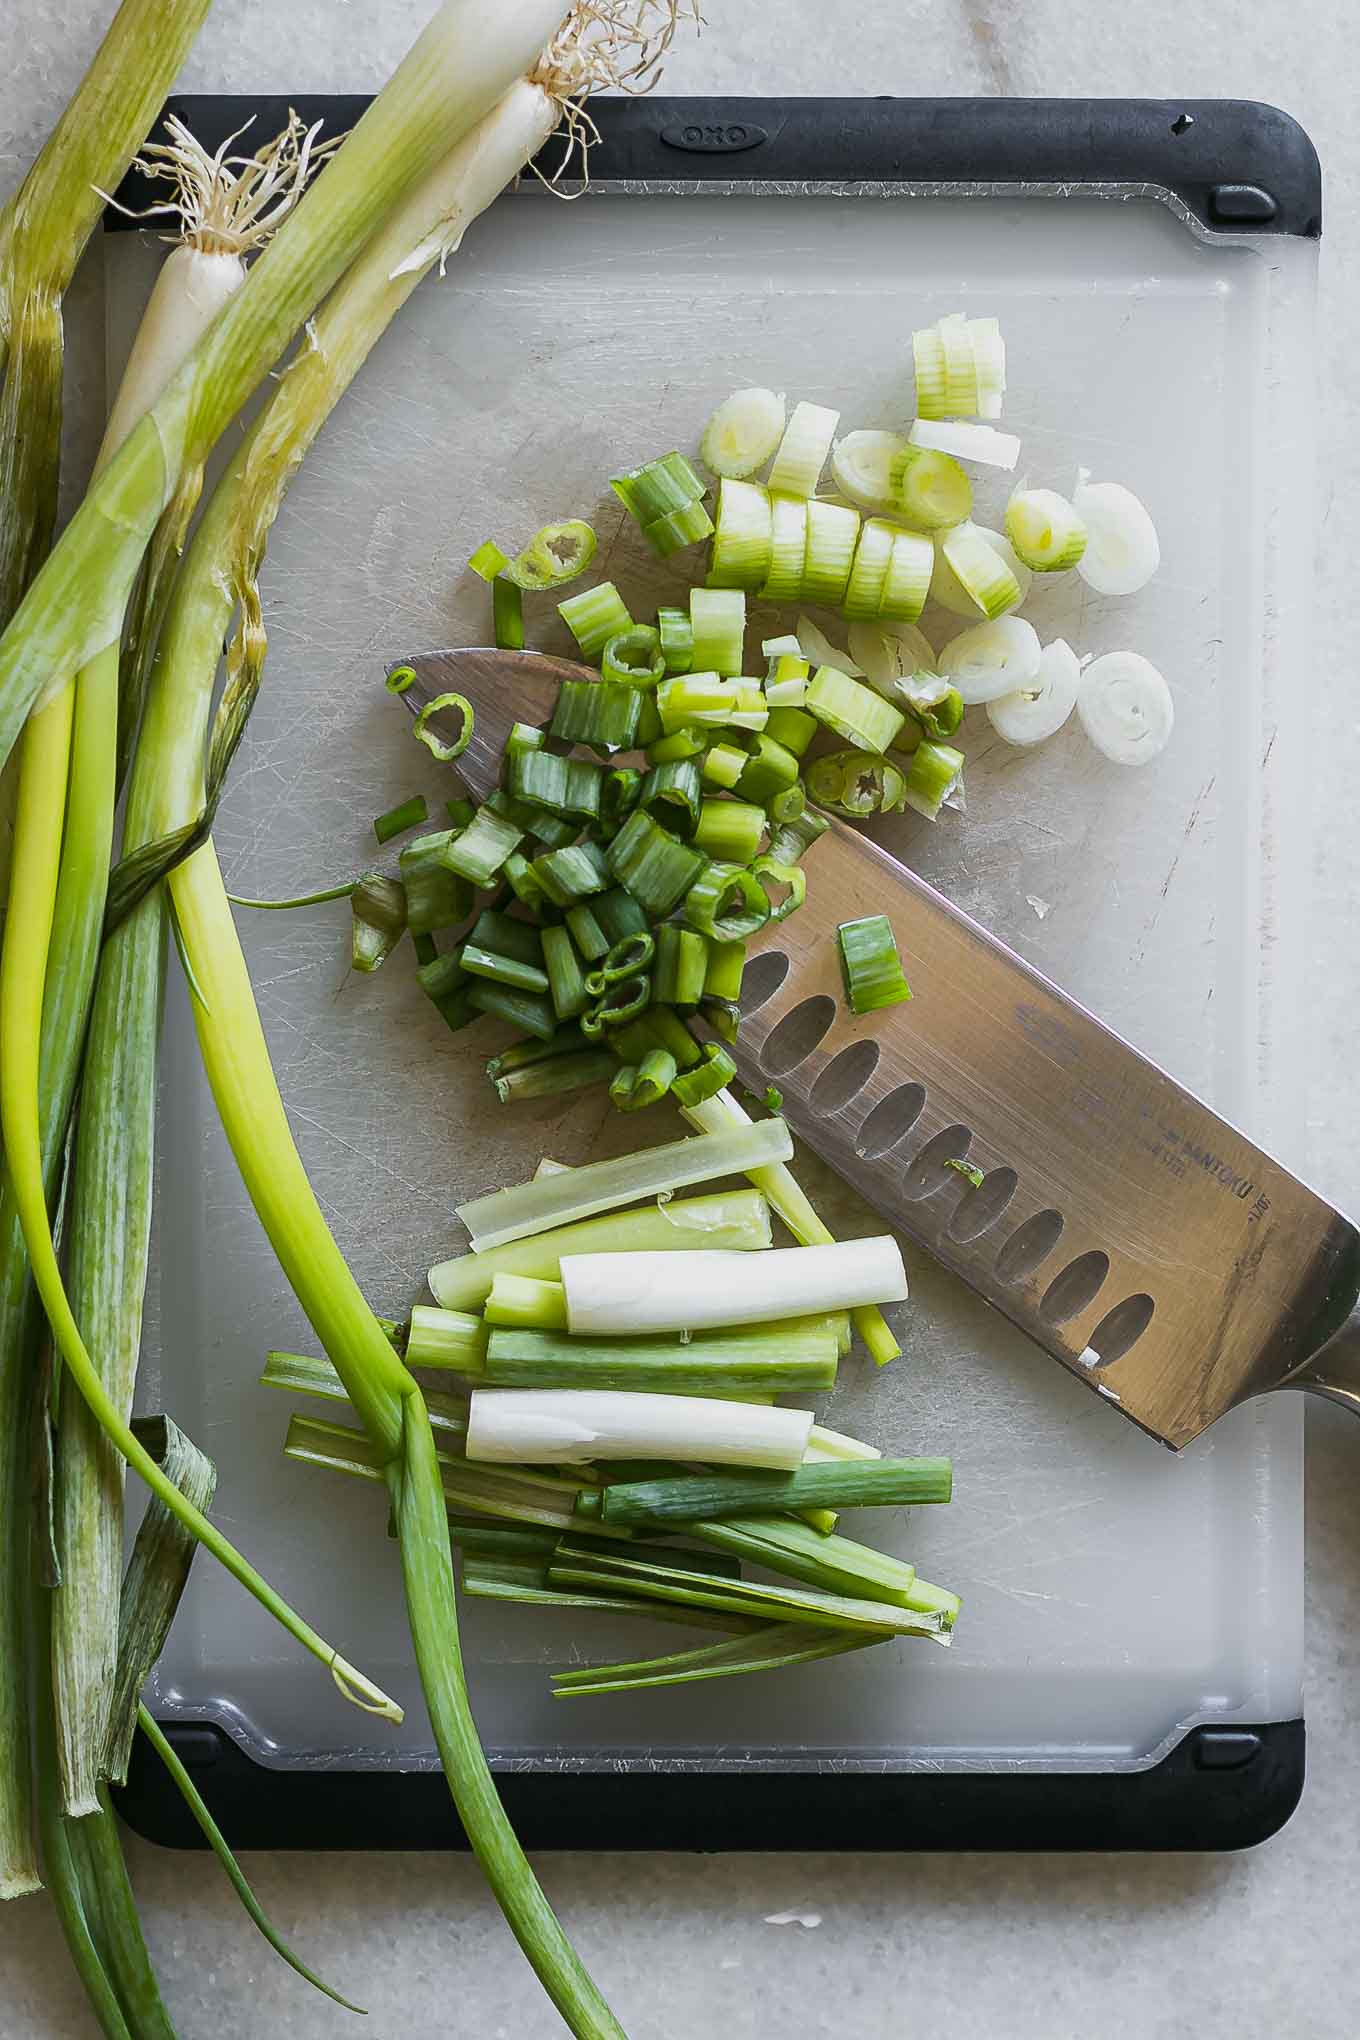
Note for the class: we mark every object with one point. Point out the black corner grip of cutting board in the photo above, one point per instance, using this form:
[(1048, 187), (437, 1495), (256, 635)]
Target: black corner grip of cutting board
[(1238, 166), (1220, 1788)]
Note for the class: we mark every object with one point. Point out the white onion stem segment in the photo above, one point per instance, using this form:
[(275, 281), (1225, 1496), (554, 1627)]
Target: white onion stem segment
[(568, 1427), (980, 443), (1125, 708), (1038, 711), (1122, 553), (992, 659), (627, 1293)]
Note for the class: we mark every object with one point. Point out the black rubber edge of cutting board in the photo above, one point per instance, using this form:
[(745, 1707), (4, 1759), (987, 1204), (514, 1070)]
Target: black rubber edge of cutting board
[(1237, 165), (1219, 1788)]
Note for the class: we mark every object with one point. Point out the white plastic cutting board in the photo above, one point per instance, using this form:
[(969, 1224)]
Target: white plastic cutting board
[(1112, 1593)]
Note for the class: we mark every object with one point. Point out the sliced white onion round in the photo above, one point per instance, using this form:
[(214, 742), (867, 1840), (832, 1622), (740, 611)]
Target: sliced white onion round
[(1122, 553), (1040, 709), (946, 587), (1125, 708), (981, 443), (992, 659), (883, 654), (861, 467)]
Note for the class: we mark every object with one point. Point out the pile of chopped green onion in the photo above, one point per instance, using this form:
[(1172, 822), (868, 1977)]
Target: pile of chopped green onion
[(607, 1417)]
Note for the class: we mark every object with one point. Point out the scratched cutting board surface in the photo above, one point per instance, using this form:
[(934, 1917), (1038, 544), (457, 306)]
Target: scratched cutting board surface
[(1112, 1593)]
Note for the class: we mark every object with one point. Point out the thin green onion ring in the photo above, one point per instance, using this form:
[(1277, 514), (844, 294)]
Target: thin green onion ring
[(400, 678), (445, 753)]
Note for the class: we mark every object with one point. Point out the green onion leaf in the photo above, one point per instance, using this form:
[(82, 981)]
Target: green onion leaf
[(870, 964), (398, 819), (488, 561)]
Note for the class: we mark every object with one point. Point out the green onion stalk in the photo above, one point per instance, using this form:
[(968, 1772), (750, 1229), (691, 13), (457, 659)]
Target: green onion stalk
[(169, 790), (74, 611), (43, 232)]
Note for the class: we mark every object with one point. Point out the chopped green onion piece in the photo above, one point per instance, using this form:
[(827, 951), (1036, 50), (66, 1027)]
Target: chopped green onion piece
[(658, 1027), (723, 1016), (553, 831), (857, 784), (740, 554), (594, 616), (566, 981), (712, 1075), (864, 590), (941, 717), (437, 896), (568, 786), (770, 769), (571, 874), (724, 765), (460, 811), (729, 831), (618, 914), (689, 742), (769, 871), (638, 1085), (726, 903), (853, 710), (742, 433), (601, 713), (676, 529), (708, 701), (726, 963), (672, 793), (586, 932), (619, 795), (633, 657), (623, 999), (980, 571), (379, 908), (844, 1484), (788, 547), (489, 560), (832, 530), (554, 556), (786, 806), (398, 819), (718, 621), (447, 986), (424, 945), (681, 965), (870, 965), (729, 1363), (933, 491), (507, 614), (861, 467), (519, 1053), (445, 1338), (519, 874), (627, 956), (482, 848), (553, 1078), (530, 1010), (502, 935), (803, 449), (773, 1101), (445, 753), (793, 839), (400, 678), (794, 728), (502, 969), (667, 483), (525, 737), (935, 772), (522, 1301), (907, 581), (677, 639), (654, 866), (564, 1427)]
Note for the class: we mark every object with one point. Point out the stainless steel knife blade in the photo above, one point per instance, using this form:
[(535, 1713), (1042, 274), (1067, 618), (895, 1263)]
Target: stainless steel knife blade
[(1134, 1234)]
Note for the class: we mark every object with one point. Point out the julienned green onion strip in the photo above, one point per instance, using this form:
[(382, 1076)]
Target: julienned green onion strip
[(771, 1646), (575, 1072), (547, 1202), (435, 744), (575, 1426), (398, 819), (738, 1219), (870, 964), (727, 903), (795, 1207), (853, 1484), (713, 1365), (566, 981)]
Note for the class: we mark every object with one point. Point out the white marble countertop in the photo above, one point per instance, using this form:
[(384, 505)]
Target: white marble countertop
[(1011, 1948)]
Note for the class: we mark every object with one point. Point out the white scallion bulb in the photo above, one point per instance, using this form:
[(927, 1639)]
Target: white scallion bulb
[(1122, 553), (1125, 708), (1037, 711)]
